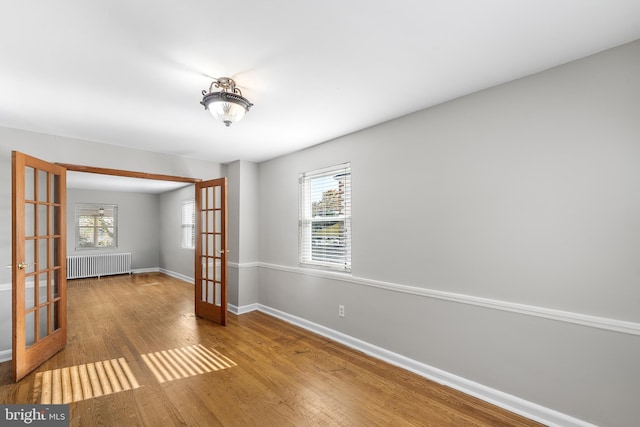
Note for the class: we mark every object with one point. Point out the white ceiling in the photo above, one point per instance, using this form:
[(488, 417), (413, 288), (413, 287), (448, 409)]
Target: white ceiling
[(131, 73)]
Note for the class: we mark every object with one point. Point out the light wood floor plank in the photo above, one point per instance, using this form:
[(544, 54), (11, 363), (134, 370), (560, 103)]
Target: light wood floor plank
[(143, 358)]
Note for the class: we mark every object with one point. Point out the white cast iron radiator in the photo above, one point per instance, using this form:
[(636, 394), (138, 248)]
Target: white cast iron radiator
[(96, 265)]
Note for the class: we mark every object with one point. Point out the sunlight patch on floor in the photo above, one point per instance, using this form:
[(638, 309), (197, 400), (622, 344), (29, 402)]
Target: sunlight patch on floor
[(169, 365), (76, 383)]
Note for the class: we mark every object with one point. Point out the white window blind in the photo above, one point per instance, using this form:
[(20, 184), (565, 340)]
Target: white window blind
[(189, 224), (96, 226), (324, 233)]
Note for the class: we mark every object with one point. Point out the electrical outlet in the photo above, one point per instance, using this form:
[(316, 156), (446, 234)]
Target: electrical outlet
[(341, 310)]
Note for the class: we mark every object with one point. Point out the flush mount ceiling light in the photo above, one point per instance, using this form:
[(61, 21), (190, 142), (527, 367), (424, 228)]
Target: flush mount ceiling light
[(227, 105)]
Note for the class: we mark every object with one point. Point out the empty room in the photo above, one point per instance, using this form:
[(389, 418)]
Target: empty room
[(336, 213)]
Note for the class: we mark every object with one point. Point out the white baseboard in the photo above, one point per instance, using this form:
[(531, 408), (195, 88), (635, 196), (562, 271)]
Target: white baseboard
[(506, 401), (177, 275), (242, 309), (5, 355), (145, 270)]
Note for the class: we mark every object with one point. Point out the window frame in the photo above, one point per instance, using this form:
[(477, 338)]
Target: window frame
[(188, 224), (316, 251), (93, 210)]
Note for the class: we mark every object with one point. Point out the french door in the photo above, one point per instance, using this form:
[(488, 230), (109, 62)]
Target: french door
[(211, 250), (39, 287)]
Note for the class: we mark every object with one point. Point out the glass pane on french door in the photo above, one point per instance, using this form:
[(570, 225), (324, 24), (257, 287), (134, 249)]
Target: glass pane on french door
[(42, 243), (211, 249)]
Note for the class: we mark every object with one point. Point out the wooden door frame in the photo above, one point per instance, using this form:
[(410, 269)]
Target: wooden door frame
[(126, 173)]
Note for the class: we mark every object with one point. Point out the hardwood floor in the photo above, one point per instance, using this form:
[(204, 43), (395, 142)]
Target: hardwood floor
[(256, 371)]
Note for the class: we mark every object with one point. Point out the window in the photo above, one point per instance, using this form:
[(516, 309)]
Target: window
[(189, 224), (96, 226), (324, 233)]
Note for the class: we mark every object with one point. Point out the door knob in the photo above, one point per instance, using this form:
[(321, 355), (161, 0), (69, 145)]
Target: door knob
[(23, 265)]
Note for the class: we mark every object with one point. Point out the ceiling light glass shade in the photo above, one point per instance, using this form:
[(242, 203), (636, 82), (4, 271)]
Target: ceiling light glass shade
[(228, 105)]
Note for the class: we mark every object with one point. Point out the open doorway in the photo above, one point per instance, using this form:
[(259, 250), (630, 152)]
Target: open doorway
[(209, 253), (39, 217), (142, 215)]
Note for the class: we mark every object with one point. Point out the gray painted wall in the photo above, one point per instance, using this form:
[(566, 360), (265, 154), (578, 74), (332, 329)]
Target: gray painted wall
[(173, 257), (523, 194), (138, 224), (243, 214), (233, 232)]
